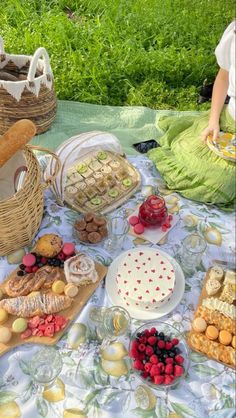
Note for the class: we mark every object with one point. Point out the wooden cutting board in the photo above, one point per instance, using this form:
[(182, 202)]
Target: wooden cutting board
[(70, 313)]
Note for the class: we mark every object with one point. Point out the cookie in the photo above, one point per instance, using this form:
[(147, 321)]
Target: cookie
[(212, 286), (99, 221), (88, 217), (228, 293), (94, 237), (49, 245), (83, 236), (91, 227), (216, 318), (216, 273), (103, 231), (80, 225)]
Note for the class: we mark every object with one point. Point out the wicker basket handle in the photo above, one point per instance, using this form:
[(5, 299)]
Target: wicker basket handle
[(48, 182), (2, 51), (40, 52)]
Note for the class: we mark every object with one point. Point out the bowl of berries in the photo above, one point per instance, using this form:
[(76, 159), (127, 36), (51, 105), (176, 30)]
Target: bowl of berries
[(159, 354)]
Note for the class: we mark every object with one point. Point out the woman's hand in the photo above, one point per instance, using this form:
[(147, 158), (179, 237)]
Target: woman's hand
[(212, 129)]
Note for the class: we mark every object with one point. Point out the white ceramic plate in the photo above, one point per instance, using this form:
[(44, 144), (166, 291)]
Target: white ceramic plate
[(141, 314)]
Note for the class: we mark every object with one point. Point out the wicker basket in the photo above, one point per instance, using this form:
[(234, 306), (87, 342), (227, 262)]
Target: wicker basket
[(21, 215), (32, 98)]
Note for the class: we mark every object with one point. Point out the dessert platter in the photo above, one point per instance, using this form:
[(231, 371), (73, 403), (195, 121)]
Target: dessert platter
[(224, 145), (48, 290), (100, 182), (147, 282), (214, 327)]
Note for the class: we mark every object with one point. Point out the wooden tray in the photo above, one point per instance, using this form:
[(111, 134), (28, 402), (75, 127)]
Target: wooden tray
[(202, 296), (70, 313)]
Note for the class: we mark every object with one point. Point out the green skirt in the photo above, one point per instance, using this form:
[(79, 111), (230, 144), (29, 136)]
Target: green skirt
[(188, 166)]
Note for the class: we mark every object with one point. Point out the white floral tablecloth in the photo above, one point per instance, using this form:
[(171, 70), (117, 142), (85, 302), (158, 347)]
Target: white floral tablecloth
[(88, 390)]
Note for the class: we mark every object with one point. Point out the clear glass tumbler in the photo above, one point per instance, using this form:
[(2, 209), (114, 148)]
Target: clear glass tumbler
[(191, 252), (118, 228), (45, 366)]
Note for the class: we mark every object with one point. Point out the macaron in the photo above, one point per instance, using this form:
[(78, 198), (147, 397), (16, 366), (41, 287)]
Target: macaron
[(3, 316), (133, 220), (58, 287), (19, 325), (68, 248), (5, 335), (29, 260), (139, 229), (71, 290), (199, 324), (225, 337), (234, 341), (212, 332)]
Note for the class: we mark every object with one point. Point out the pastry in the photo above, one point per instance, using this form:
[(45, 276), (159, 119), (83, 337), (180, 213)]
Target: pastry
[(19, 325), (212, 286), (42, 303), (212, 332), (216, 318), (1, 294), (42, 279), (212, 349), (5, 335), (71, 290), (218, 305), (80, 270), (88, 225), (228, 293), (225, 337), (49, 245), (199, 324), (216, 273), (58, 287), (3, 316), (230, 277), (234, 341)]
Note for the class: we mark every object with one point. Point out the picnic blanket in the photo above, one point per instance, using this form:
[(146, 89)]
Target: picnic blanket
[(89, 390)]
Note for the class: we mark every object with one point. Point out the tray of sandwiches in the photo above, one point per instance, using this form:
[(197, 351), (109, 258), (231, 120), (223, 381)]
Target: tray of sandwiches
[(46, 292), (100, 182), (213, 330)]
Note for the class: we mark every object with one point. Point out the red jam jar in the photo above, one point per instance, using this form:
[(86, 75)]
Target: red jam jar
[(153, 211)]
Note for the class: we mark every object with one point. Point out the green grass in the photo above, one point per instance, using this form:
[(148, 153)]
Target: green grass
[(154, 53)]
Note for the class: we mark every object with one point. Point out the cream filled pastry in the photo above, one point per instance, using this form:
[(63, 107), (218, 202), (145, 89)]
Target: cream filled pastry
[(80, 270)]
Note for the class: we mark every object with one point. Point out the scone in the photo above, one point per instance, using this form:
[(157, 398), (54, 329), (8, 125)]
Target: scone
[(49, 245)]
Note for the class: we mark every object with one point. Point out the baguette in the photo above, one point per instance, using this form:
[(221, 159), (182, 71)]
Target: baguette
[(15, 138)]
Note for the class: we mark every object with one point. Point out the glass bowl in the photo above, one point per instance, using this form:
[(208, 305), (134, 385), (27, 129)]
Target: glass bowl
[(76, 232), (169, 332)]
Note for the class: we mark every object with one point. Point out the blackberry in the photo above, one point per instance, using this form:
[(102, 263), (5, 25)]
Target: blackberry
[(38, 259), (165, 355), (177, 350), (166, 338), (139, 334), (171, 354), (20, 273), (22, 266), (57, 263), (39, 265), (156, 334), (157, 351), (161, 335)]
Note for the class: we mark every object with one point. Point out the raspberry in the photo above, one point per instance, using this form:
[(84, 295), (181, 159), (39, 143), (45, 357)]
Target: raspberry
[(175, 341), (154, 359), (170, 217), (161, 344), (153, 331), (142, 347), (133, 353), (138, 365), (179, 359), (169, 369), (147, 333), (178, 370), (169, 360), (161, 366), (169, 346), (43, 260), (28, 269), (163, 228), (149, 350), (158, 379), (152, 340), (145, 375), (148, 367), (134, 344), (34, 269), (154, 370), (143, 340), (168, 379), (141, 356)]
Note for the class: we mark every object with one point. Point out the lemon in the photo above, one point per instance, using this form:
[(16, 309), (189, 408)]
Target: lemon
[(190, 220), (77, 335), (74, 413), (171, 200), (55, 393), (145, 397), (114, 368), (10, 410), (173, 209), (213, 236), (115, 351)]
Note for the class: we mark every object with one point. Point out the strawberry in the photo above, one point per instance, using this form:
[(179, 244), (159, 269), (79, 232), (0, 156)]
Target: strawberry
[(168, 380), (154, 370), (161, 366), (49, 330), (138, 365), (141, 347), (154, 359), (158, 379), (153, 331), (169, 345), (149, 350), (169, 360), (148, 367), (161, 344), (179, 359), (175, 341), (152, 340), (178, 370), (169, 369)]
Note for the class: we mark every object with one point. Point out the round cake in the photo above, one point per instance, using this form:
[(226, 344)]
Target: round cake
[(145, 279)]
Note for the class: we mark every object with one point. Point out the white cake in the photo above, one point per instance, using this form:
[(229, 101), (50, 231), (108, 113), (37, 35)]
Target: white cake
[(145, 279)]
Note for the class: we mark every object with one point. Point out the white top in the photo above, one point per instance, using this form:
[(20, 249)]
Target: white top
[(225, 55)]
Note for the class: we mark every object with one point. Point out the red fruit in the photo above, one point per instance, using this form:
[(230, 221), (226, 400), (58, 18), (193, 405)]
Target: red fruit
[(142, 347), (34, 331), (26, 334), (179, 359), (164, 228), (61, 256), (149, 350), (42, 327), (175, 341), (154, 359), (168, 379), (138, 365), (178, 370), (134, 344), (169, 369), (34, 322), (153, 330), (133, 353), (148, 367), (170, 217), (158, 379), (133, 220), (49, 330), (60, 320), (28, 269), (57, 328), (145, 375), (29, 260), (169, 360), (39, 333), (155, 370), (147, 333), (161, 366), (142, 356), (143, 340), (168, 345), (152, 340), (34, 269), (43, 260), (161, 344)]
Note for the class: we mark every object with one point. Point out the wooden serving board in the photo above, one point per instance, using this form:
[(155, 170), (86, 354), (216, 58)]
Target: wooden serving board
[(202, 296), (70, 313)]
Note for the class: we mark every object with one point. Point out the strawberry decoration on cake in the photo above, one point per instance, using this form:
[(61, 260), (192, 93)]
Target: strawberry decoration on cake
[(145, 279)]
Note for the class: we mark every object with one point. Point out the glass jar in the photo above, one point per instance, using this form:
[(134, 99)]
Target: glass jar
[(153, 211)]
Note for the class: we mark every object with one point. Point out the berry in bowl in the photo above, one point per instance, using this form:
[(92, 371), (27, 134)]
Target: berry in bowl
[(160, 356), (90, 228)]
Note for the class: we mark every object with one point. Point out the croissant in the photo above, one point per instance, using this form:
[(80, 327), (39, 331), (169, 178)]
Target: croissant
[(28, 306)]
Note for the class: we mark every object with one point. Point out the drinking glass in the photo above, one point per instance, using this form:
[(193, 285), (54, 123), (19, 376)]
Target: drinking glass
[(191, 252), (118, 228), (45, 366)]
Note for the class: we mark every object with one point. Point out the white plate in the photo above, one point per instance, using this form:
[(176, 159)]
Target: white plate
[(141, 314)]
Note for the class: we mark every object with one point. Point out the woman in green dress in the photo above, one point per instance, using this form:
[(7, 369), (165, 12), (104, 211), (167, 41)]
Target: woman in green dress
[(183, 158)]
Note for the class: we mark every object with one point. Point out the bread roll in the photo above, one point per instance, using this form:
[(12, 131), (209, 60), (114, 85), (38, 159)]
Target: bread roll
[(15, 138)]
